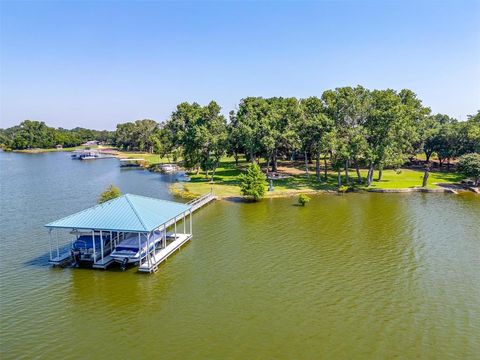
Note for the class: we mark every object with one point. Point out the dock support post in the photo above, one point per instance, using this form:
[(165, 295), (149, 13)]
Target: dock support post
[(175, 232), (149, 260), (164, 235), (139, 250), (94, 250), (50, 242), (58, 247), (101, 244), (191, 232), (184, 223), (111, 241)]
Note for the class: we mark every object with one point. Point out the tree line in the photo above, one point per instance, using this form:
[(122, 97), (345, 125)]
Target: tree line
[(345, 128), (35, 134)]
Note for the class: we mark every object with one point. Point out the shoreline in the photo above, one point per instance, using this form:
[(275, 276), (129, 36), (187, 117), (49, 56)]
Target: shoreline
[(185, 193), (289, 194)]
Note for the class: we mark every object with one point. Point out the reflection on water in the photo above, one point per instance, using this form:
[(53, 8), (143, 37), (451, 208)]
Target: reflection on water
[(354, 276)]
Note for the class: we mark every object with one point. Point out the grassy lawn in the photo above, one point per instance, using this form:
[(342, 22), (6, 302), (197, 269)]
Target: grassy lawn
[(226, 181), (407, 178)]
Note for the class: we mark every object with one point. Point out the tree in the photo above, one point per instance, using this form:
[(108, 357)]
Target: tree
[(201, 133), (348, 107), (313, 128), (281, 137), (253, 182), (137, 136), (112, 192), (252, 126), (389, 131), (234, 138), (469, 166)]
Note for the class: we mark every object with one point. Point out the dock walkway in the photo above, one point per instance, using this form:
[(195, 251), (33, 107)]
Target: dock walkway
[(151, 264)]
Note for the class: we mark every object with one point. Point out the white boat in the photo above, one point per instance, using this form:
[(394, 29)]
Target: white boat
[(132, 250), (168, 168)]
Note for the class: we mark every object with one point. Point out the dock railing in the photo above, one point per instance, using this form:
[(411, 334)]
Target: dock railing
[(201, 201)]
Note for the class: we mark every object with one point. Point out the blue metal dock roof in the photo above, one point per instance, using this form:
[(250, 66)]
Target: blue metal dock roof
[(129, 212)]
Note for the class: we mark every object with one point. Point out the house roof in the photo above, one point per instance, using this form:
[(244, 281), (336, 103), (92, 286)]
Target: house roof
[(133, 213)]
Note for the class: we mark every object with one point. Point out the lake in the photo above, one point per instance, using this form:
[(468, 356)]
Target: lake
[(364, 276)]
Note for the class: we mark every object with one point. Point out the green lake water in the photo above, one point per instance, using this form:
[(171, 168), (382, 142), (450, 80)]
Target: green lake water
[(359, 276)]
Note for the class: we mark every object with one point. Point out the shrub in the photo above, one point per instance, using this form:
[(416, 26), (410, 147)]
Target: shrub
[(110, 193), (343, 189), (469, 166), (303, 199), (253, 182)]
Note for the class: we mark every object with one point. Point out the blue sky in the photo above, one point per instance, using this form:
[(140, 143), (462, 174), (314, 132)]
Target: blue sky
[(95, 64)]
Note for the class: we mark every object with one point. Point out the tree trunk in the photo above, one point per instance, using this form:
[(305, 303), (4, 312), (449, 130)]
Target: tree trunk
[(427, 156), (306, 163), (339, 177), (213, 171), (426, 174), (198, 170), (380, 171), (235, 155), (274, 163), (325, 167), (252, 157), (206, 174), (346, 170), (440, 163), (317, 166), (448, 163), (357, 168), (370, 174)]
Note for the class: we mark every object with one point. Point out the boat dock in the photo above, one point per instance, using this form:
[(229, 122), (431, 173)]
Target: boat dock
[(127, 230), (125, 162)]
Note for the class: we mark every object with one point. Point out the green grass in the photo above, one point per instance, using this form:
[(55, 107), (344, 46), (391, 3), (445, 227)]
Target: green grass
[(226, 181), (407, 178)]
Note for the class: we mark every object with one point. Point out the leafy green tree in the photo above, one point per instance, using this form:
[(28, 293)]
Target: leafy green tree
[(281, 138), (253, 182), (348, 107), (312, 129), (33, 134), (469, 166), (234, 138), (445, 142), (140, 135), (386, 121), (112, 192), (252, 124), (201, 133)]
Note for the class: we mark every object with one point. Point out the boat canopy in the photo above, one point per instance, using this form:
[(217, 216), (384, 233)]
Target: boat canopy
[(127, 213)]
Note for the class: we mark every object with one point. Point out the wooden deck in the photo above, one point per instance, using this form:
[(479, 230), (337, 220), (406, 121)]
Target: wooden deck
[(162, 254)]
